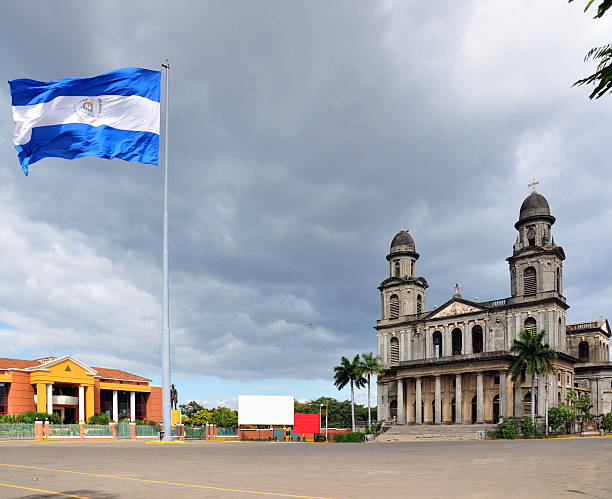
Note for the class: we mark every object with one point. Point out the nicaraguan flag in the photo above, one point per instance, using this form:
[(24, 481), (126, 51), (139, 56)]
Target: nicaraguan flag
[(113, 115)]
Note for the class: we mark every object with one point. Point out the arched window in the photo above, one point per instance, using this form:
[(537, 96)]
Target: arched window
[(437, 344), (527, 402), (531, 324), (531, 236), (394, 307), (530, 282), (583, 351), (419, 304), (457, 341), (397, 268), (394, 351), (477, 339)]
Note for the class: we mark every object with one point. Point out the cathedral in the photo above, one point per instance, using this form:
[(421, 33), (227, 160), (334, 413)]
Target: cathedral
[(451, 364)]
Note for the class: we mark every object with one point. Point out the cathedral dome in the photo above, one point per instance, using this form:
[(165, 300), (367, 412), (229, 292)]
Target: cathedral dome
[(402, 242), (535, 206)]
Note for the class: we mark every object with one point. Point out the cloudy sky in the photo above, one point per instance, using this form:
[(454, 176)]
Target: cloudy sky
[(303, 136)]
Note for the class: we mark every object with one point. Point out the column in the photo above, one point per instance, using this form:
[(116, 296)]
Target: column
[(428, 344), (402, 355), (132, 406), (438, 400), (541, 387), (81, 403), (447, 347), (467, 346), (502, 394), (458, 400), (417, 416), (49, 399), (518, 399), (479, 398), (41, 397), (89, 402), (115, 406), (409, 336), (401, 406), (379, 402)]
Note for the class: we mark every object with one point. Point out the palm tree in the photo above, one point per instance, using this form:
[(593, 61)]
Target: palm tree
[(349, 372), (370, 365), (534, 358)]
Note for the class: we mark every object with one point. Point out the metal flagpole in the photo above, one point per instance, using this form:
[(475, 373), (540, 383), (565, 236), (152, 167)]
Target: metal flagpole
[(166, 410)]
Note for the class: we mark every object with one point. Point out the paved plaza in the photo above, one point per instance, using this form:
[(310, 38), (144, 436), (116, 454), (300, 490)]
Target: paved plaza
[(132, 469)]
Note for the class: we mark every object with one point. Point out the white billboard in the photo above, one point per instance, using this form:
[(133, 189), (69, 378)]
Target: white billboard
[(265, 409)]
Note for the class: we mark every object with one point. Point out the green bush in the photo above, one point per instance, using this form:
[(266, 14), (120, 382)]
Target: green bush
[(528, 427), (349, 437), (31, 416), (606, 421), (507, 429), (99, 419), (145, 422), (7, 419)]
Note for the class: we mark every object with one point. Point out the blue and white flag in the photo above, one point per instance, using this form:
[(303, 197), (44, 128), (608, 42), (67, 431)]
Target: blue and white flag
[(113, 115)]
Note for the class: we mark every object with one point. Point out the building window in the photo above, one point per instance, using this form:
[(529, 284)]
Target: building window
[(477, 339), (419, 304), (397, 268), (394, 351), (411, 267), (141, 405), (496, 379), (106, 402), (123, 404), (530, 324), (394, 307), (531, 236), (457, 341), (558, 280), (583, 351), (559, 377), (3, 398), (437, 344), (527, 402), (530, 281)]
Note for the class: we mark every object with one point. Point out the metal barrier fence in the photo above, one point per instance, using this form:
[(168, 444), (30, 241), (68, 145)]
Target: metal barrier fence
[(64, 430), (227, 432), (17, 431), (123, 430), (195, 432), (147, 430), (97, 430)]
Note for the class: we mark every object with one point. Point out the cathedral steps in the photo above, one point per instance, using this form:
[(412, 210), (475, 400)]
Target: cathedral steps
[(428, 432)]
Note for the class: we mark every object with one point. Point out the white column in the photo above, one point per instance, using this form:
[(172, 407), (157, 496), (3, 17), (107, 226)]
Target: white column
[(132, 406), (418, 413), (428, 344), (438, 399), (447, 348), (479, 398), (467, 346), (401, 406), (409, 336), (115, 406), (49, 399), (81, 403), (458, 400)]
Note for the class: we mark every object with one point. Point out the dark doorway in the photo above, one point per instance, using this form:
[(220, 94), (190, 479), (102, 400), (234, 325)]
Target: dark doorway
[(474, 408), (69, 415), (437, 344), (496, 409), (433, 411), (477, 339), (583, 351), (393, 409), (453, 411)]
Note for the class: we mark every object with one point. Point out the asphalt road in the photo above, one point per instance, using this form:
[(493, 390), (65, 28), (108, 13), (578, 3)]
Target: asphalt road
[(127, 469)]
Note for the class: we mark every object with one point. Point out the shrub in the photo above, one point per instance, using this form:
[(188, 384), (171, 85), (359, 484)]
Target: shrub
[(147, 422), (99, 419), (507, 429), (7, 419), (528, 427), (349, 437), (30, 416), (558, 417), (606, 421)]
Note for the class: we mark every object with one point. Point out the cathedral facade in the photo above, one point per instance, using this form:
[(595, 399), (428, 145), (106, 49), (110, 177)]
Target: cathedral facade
[(451, 364)]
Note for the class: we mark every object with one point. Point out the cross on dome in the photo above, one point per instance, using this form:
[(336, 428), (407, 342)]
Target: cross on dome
[(533, 183)]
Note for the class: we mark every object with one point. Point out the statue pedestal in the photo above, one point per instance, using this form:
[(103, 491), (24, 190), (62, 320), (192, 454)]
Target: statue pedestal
[(176, 417)]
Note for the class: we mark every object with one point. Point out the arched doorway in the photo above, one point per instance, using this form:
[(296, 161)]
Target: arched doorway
[(583, 351), (457, 342), (437, 344), (393, 409), (477, 339), (474, 408), (496, 409)]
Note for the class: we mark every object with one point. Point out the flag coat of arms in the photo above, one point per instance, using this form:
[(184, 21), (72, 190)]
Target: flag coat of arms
[(113, 115)]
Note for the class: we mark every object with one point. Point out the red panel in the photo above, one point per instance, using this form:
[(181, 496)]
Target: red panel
[(306, 423)]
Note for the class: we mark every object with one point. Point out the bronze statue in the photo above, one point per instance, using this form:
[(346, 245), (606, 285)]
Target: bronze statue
[(173, 397)]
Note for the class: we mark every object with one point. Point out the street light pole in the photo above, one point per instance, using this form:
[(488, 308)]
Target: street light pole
[(326, 421)]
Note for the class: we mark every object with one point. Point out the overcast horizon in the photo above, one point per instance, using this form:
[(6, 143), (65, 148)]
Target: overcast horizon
[(303, 136)]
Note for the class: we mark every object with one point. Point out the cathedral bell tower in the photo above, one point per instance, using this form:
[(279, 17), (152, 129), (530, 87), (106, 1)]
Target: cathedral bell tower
[(536, 264), (402, 293)]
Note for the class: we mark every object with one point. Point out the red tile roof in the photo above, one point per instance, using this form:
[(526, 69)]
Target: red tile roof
[(6, 363), (118, 374)]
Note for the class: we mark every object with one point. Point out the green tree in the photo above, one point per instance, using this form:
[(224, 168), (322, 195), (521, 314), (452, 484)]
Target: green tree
[(224, 417), (581, 405), (370, 365), (602, 77), (349, 373), (533, 358), (190, 408), (560, 417), (199, 418)]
